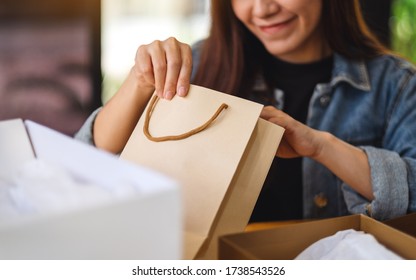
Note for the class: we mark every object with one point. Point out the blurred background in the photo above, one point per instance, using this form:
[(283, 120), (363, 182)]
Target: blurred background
[(60, 60)]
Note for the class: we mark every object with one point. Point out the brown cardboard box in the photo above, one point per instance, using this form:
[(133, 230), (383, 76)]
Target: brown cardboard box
[(287, 242), (405, 223)]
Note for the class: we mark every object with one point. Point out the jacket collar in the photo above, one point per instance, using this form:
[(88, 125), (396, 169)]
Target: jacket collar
[(353, 72)]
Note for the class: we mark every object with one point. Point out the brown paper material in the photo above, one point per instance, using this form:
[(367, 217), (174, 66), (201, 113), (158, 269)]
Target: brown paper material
[(288, 241), (221, 169)]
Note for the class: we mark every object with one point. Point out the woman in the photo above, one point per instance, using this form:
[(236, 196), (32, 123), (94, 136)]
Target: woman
[(344, 100)]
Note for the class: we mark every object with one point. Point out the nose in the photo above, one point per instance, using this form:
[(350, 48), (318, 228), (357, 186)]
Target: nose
[(265, 8)]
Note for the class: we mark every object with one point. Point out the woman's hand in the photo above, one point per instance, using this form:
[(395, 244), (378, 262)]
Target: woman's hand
[(164, 67), (347, 162), (298, 140)]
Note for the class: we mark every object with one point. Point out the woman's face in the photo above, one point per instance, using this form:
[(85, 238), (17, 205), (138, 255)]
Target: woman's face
[(289, 29)]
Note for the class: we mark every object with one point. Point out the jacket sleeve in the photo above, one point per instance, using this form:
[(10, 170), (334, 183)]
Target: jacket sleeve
[(393, 166), (86, 133), (391, 183)]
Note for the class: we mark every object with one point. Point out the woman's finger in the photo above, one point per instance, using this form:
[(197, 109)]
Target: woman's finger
[(275, 116), (144, 66), (159, 66), (174, 64), (185, 72)]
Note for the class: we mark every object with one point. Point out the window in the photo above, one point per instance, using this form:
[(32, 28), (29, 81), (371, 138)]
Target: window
[(127, 24)]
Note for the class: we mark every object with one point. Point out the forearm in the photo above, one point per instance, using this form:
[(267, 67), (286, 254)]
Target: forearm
[(117, 119), (347, 162)]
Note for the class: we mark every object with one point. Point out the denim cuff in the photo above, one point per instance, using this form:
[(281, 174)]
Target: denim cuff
[(390, 187)]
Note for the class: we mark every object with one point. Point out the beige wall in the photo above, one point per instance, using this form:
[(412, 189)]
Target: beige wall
[(163, 8)]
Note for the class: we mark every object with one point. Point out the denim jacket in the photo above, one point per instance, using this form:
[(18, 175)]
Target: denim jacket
[(369, 104)]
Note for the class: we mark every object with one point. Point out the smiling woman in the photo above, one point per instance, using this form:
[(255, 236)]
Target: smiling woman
[(289, 30), (345, 101)]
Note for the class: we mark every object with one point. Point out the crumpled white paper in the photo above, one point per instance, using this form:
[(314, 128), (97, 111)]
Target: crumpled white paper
[(39, 187), (348, 245)]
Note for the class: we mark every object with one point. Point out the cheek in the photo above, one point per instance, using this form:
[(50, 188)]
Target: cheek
[(311, 13), (300, 4), (241, 10)]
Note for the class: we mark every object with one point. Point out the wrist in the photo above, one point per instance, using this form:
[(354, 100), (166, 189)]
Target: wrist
[(139, 85), (324, 143)]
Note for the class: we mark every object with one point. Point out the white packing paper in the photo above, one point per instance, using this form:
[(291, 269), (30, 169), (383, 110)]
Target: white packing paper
[(348, 245)]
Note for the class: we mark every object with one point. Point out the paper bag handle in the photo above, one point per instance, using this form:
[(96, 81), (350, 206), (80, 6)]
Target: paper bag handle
[(149, 111)]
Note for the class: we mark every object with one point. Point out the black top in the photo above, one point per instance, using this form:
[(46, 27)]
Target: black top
[(281, 196)]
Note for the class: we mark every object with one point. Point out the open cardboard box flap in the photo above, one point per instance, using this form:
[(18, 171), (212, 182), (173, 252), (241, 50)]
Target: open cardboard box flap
[(145, 224), (289, 241)]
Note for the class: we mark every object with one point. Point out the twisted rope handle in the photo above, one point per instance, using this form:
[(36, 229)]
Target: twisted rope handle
[(194, 131)]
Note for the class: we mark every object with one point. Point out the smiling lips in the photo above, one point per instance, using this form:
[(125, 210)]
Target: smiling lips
[(277, 27)]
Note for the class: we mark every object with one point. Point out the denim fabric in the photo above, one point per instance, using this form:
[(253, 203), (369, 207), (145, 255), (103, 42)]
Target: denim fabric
[(369, 104), (85, 134)]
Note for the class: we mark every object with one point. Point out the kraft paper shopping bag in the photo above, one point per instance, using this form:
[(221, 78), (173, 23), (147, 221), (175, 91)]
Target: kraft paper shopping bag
[(218, 149)]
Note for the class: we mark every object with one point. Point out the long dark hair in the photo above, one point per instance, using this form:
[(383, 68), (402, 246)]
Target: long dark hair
[(232, 56)]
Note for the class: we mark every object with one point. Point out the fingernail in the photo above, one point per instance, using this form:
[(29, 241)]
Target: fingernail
[(168, 95), (181, 91)]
